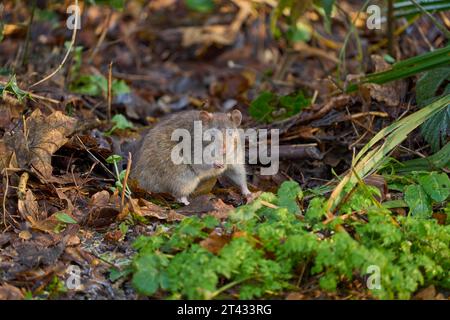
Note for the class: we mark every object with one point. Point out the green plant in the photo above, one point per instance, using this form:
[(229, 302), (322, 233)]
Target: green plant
[(264, 247), (12, 88), (268, 107), (408, 8), (406, 68), (115, 4), (120, 123), (200, 5), (373, 155), (436, 128), (120, 176), (97, 85)]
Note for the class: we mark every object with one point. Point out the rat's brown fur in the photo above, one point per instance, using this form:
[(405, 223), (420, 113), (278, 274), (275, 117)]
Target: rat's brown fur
[(155, 171)]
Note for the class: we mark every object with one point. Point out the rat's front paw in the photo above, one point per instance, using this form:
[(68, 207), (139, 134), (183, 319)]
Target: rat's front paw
[(184, 201)]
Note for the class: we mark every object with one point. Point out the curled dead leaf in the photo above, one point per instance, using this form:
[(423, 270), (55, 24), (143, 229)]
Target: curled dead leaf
[(38, 138)]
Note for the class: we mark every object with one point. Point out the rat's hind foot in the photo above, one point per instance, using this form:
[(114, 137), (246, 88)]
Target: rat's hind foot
[(183, 200)]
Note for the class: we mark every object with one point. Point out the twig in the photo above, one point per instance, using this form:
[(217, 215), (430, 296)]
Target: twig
[(69, 50), (109, 97), (5, 192), (102, 35), (125, 179), (95, 158)]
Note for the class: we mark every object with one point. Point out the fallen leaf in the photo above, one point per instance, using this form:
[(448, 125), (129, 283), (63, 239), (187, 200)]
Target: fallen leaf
[(149, 209), (428, 293), (391, 93), (9, 292), (29, 208), (215, 242), (35, 142), (207, 204)]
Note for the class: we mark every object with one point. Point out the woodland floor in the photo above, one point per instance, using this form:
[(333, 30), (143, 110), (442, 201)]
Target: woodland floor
[(171, 61)]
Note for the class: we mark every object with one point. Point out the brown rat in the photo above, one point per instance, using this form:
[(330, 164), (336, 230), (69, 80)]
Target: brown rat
[(156, 171)]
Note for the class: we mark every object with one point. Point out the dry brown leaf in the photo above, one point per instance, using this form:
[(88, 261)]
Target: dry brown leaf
[(9, 292), (391, 93), (35, 142), (429, 293), (149, 209), (215, 242), (104, 209), (29, 208), (207, 204)]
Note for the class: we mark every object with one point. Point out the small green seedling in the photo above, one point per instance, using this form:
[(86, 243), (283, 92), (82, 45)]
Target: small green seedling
[(120, 176), (120, 123)]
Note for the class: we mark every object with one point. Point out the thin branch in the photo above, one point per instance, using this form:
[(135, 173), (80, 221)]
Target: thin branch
[(69, 50)]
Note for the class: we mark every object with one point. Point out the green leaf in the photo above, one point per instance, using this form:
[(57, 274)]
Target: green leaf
[(294, 103), (327, 6), (200, 5), (299, 33), (262, 107), (316, 210), (64, 217), (119, 87), (116, 274), (12, 88), (288, 195), (436, 129), (436, 185), (148, 276), (268, 107), (116, 4), (91, 85), (429, 83), (121, 123), (114, 158), (418, 201)]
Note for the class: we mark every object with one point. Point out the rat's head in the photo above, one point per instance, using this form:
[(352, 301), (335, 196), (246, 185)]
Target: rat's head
[(227, 124)]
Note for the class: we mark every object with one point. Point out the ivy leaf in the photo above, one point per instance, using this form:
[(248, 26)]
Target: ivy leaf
[(436, 185), (64, 217), (418, 201), (288, 194)]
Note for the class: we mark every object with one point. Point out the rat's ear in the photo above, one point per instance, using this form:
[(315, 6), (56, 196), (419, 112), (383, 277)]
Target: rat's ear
[(205, 116), (236, 117)]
